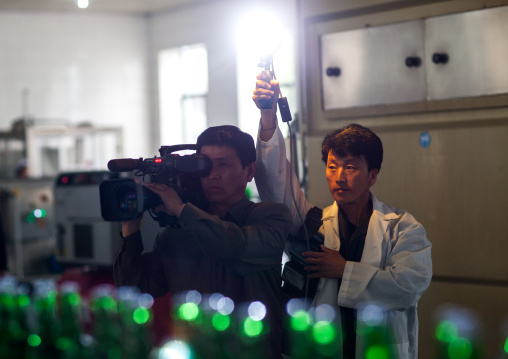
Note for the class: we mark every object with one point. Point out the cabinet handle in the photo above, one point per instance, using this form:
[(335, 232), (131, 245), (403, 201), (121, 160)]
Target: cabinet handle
[(440, 58), (333, 72), (413, 61)]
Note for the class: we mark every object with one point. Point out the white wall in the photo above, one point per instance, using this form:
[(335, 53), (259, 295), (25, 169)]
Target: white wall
[(213, 25), (102, 67), (77, 67)]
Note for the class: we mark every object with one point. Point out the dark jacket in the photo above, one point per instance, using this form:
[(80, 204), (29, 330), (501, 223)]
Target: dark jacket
[(238, 256)]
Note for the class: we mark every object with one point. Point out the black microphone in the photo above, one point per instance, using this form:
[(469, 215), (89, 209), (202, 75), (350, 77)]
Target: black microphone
[(123, 165)]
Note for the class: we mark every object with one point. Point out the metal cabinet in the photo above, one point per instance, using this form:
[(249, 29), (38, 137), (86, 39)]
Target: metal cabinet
[(437, 58), (475, 48), (377, 65)]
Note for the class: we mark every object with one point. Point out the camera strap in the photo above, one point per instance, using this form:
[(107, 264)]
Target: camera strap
[(313, 221)]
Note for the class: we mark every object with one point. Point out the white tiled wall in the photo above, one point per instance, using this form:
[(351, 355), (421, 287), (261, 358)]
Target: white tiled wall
[(76, 67)]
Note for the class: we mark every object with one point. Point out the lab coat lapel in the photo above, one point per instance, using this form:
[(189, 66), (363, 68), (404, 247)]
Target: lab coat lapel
[(331, 226), (377, 231)]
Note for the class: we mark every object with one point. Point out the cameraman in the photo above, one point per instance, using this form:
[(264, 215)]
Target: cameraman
[(373, 253), (233, 246)]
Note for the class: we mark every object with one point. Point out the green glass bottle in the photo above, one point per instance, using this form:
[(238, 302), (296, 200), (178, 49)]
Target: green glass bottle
[(252, 329), (14, 312), (106, 326), (46, 330), (298, 329), (375, 334), (135, 314)]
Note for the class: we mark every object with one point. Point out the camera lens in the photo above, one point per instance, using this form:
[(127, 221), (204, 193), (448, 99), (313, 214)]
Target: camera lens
[(126, 200)]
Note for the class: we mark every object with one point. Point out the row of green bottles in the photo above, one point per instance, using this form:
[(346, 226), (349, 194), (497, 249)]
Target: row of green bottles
[(39, 322), (316, 332), (213, 326)]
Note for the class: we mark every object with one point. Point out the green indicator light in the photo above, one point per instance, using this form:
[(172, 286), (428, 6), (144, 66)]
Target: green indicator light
[(188, 311), (377, 352), (43, 213), (30, 218), (323, 332), (460, 348), (252, 328), (34, 340), (141, 315), (300, 321), (506, 346), (220, 322), (446, 331)]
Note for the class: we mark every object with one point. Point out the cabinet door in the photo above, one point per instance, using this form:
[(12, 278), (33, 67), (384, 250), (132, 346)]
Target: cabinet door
[(476, 46), (371, 66)]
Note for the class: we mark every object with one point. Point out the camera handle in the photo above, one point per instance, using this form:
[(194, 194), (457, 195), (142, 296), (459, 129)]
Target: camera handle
[(267, 63), (165, 220)]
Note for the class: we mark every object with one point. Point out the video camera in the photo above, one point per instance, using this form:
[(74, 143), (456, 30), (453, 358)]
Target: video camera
[(125, 199)]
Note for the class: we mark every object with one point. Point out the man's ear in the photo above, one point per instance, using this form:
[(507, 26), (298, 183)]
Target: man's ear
[(251, 171), (373, 176)]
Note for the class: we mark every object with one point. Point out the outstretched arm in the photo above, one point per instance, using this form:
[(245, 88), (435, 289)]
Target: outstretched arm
[(275, 178)]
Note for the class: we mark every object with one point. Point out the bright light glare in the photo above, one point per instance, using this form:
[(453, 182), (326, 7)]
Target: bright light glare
[(175, 350), (257, 311), (82, 4), (145, 300), (324, 313), (261, 31), (372, 315), (225, 305)]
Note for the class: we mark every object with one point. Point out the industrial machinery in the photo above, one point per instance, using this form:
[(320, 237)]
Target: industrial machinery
[(26, 212), (82, 236)]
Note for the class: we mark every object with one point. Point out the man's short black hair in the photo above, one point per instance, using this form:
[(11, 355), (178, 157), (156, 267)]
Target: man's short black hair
[(354, 140), (230, 136)]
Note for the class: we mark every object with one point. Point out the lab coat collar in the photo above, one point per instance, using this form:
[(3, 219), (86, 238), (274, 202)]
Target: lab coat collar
[(378, 228)]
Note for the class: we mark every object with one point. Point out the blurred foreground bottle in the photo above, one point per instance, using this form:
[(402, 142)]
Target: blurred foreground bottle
[(106, 330), (375, 335), (14, 318), (253, 330), (458, 334), (312, 333), (135, 315)]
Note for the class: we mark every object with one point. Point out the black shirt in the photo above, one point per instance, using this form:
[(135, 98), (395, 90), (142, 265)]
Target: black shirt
[(352, 242)]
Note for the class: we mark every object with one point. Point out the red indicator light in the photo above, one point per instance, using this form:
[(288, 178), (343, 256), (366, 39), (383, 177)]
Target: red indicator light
[(158, 160), (65, 179)]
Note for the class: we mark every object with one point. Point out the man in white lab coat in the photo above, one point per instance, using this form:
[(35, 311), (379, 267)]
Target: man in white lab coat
[(373, 253)]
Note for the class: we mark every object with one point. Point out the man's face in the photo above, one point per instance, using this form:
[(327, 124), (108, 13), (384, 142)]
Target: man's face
[(225, 185), (349, 179)]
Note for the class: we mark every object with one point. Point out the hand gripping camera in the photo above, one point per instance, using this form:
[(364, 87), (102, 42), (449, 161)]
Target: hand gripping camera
[(125, 199)]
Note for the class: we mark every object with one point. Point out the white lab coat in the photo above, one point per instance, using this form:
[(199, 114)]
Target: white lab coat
[(396, 265)]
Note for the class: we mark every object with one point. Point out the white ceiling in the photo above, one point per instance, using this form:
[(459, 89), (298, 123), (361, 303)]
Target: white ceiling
[(130, 6)]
